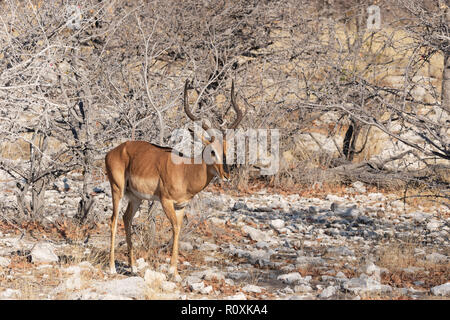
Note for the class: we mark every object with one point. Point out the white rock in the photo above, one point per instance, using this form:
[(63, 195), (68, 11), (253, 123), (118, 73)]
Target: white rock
[(302, 297), (4, 262), (373, 271), (442, 290), (43, 252), (364, 284), (164, 267), (302, 288), (141, 264), (90, 295), (314, 261), (72, 269), (375, 196), (154, 278), (287, 290), (293, 277), (349, 213), (260, 257), (252, 288), (85, 265), (132, 287), (359, 186), (417, 216), (10, 294), (217, 203), (238, 275), (206, 290), (341, 275), (342, 251), (238, 296), (195, 287), (111, 297), (334, 198), (397, 205), (190, 280), (210, 259), (168, 286), (328, 292), (412, 269), (433, 225), (288, 268), (255, 234), (211, 274), (73, 282), (207, 246), (217, 221), (277, 224), (262, 245), (185, 246)]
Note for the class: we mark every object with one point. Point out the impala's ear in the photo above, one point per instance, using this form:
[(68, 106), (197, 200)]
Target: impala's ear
[(206, 141), (202, 137)]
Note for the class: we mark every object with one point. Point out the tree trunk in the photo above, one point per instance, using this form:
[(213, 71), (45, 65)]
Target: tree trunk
[(445, 98), (351, 136)]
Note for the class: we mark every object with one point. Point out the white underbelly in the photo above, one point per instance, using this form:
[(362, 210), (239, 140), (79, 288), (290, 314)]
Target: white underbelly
[(143, 196)]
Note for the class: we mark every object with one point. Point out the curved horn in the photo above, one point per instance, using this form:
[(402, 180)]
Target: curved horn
[(188, 111), (239, 114)]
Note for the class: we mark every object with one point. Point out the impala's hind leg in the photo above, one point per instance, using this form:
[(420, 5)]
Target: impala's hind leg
[(116, 176), (133, 207)]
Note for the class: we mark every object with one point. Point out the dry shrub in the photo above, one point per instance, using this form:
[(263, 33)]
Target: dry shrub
[(151, 235), (398, 256)]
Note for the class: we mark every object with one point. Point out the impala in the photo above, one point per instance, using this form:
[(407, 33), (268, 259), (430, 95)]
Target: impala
[(143, 171)]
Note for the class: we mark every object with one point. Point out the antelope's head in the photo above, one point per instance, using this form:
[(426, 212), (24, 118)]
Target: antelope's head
[(215, 149)]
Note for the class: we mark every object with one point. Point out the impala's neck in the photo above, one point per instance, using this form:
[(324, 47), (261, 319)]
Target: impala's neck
[(199, 176)]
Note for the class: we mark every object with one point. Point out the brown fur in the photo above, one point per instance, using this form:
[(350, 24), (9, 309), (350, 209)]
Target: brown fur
[(140, 169)]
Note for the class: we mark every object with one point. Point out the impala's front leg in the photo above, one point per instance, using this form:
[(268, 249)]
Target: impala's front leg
[(176, 219)]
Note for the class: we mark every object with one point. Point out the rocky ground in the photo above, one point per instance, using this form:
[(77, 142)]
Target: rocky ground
[(355, 245)]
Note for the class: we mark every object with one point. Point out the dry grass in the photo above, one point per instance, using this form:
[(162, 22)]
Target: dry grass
[(397, 256), (153, 232)]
